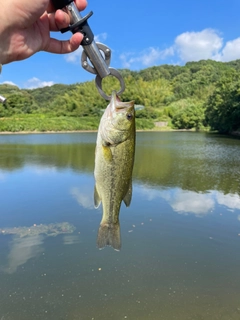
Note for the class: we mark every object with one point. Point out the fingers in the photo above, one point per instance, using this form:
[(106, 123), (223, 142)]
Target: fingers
[(58, 20), (57, 46), (81, 4), (61, 19)]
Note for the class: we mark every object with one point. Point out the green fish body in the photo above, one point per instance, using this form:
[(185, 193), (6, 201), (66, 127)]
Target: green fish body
[(114, 158)]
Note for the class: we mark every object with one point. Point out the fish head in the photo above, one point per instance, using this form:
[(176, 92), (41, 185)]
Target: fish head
[(118, 122), (122, 114)]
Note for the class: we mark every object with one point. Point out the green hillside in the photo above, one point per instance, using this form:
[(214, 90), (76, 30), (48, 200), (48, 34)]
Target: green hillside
[(199, 95)]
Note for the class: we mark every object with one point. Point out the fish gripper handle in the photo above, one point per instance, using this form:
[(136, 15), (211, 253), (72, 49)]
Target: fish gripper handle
[(91, 49), (79, 24), (60, 4)]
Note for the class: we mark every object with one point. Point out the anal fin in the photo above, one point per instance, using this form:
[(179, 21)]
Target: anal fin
[(128, 196), (97, 199)]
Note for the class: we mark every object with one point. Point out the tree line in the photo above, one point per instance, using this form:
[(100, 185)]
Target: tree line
[(199, 95)]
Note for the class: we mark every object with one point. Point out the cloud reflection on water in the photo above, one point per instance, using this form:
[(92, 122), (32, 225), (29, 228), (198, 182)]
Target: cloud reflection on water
[(27, 242), (2, 177), (23, 249), (181, 201), (190, 202), (43, 170), (26, 248), (232, 201), (71, 239), (185, 202), (83, 196)]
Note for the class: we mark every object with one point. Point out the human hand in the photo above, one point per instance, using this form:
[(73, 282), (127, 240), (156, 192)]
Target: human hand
[(26, 25)]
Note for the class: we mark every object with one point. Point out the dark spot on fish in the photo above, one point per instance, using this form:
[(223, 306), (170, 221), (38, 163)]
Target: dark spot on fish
[(129, 116)]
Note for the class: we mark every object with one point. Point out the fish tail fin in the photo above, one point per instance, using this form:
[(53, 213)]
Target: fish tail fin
[(109, 235)]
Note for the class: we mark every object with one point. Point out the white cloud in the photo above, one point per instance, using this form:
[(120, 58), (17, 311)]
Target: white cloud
[(37, 83), (188, 46), (10, 83), (231, 51), (146, 58), (75, 57), (100, 37), (194, 46), (126, 60)]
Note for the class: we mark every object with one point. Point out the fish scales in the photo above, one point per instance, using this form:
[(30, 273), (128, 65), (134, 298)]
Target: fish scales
[(114, 160)]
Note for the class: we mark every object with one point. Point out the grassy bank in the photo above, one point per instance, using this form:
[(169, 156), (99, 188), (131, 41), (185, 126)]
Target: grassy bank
[(43, 123)]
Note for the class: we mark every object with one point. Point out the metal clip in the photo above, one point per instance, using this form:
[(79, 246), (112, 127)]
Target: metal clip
[(112, 72), (91, 50), (2, 99)]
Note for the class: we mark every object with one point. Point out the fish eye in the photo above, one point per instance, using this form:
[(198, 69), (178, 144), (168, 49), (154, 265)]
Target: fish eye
[(129, 116)]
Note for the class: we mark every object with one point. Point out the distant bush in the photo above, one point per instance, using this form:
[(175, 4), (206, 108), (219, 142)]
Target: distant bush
[(143, 124), (190, 117)]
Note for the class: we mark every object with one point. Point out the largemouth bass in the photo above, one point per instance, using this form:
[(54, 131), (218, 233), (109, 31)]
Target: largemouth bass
[(114, 158)]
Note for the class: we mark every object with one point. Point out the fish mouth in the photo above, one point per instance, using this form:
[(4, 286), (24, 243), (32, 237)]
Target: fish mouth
[(117, 104)]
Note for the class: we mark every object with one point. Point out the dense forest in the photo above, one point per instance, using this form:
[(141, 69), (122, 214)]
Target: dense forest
[(199, 95)]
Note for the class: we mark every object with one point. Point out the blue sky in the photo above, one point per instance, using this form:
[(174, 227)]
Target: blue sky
[(141, 34)]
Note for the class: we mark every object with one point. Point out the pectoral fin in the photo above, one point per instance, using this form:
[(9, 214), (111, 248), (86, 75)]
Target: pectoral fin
[(128, 197), (97, 199), (107, 153)]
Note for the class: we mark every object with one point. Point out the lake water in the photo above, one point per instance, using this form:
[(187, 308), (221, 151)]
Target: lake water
[(180, 256)]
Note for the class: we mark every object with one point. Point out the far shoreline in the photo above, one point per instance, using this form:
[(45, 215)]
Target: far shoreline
[(46, 132), (233, 134), (89, 131)]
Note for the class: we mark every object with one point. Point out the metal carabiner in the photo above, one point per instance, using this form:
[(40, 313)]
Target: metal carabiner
[(106, 58), (91, 50), (114, 73), (98, 79)]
